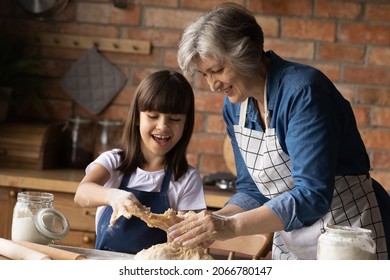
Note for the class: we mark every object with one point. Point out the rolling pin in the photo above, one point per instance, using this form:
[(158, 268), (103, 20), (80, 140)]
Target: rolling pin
[(16, 251), (54, 253)]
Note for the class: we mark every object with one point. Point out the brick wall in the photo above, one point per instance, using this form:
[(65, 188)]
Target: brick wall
[(348, 40)]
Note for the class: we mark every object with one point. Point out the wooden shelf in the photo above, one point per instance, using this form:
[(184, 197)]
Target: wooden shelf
[(84, 42)]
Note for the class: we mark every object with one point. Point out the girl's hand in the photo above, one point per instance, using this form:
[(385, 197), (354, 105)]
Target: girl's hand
[(201, 229), (123, 203)]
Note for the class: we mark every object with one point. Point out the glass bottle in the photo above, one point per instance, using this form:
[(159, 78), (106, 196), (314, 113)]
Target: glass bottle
[(345, 243), (108, 135), (79, 142), (35, 219)]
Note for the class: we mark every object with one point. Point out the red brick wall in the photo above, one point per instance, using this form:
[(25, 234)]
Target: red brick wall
[(348, 40)]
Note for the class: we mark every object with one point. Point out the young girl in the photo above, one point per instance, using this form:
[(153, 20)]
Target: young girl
[(149, 169)]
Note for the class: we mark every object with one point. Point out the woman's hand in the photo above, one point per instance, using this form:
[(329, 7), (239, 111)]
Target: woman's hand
[(201, 229)]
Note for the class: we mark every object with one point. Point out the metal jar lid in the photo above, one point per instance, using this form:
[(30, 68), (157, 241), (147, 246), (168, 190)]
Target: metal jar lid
[(51, 223)]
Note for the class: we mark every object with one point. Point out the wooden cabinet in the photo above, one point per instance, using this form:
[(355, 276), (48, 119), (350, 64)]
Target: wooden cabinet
[(63, 184), (81, 220), (7, 203)]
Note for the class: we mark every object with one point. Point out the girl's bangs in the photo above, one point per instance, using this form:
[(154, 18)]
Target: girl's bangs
[(165, 97)]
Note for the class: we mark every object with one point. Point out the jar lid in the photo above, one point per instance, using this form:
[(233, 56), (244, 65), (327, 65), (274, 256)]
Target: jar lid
[(110, 122), (51, 223), (36, 197), (80, 120), (347, 229)]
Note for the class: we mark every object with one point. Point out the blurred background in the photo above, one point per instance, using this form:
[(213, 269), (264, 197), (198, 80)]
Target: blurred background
[(346, 39)]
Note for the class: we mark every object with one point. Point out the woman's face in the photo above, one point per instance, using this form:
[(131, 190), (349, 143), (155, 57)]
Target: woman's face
[(224, 79), (160, 132)]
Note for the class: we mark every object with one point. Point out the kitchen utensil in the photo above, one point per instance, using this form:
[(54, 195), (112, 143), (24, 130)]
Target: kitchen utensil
[(221, 180), (79, 142), (93, 81), (35, 219), (42, 8), (16, 251), (346, 243), (52, 252), (108, 136)]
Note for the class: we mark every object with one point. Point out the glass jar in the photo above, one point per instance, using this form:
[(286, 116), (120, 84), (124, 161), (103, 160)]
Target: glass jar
[(346, 243), (35, 219), (79, 133), (108, 135)]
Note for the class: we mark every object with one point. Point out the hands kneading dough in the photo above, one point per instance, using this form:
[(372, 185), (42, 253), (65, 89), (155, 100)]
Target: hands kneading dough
[(126, 204), (162, 221), (164, 251)]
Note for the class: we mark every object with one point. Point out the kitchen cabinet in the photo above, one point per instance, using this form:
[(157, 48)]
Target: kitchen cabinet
[(81, 221), (63, 184), (7, 203)]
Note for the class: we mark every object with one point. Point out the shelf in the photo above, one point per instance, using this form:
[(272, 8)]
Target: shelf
[(84, 42)]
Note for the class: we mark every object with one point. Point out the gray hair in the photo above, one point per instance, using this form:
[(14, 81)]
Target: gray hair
[(229, 33)]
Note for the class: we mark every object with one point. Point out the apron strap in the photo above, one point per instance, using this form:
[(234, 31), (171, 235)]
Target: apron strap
[(125, 181), (243, 107), (267, 117), (166, 180)]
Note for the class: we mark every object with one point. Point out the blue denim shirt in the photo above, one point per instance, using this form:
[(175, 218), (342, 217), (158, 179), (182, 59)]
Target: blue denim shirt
[(316, 127)]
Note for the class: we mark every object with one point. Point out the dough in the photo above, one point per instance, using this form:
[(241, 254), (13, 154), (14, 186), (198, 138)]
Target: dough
[(162, 221), (172, 251), (164, 251)]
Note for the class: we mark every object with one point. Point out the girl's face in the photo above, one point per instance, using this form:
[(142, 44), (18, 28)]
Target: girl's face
[(159, 132), (224, 79)]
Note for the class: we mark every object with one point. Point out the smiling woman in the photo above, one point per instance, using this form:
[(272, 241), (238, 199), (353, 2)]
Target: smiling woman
[(300, 160)]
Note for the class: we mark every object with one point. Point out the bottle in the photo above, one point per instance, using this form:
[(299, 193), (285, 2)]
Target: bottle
[(345, 243), (35, 219), (79, 142), (108, 136)]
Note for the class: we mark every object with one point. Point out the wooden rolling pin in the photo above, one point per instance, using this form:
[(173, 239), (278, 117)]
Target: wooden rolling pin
[(16, 251), (54, 253)]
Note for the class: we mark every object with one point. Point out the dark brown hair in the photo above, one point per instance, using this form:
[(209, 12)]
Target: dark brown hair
[(167, 92)]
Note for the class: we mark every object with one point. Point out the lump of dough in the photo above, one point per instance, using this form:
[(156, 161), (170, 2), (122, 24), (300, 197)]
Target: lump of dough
[(172, 251)]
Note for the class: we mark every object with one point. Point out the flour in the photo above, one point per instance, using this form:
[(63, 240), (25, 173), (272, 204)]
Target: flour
[(23, 229), (346, 243), (333, 251)]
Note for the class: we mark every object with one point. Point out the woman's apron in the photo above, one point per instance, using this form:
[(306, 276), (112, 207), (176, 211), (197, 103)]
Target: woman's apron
[(270, 168), (133, 235)]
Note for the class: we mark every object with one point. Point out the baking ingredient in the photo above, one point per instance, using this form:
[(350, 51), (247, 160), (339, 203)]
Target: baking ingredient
[(346, 243), (23, 229), (172, 251), (161, 221)]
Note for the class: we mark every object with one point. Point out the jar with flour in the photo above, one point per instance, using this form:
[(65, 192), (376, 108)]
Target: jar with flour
[(346, 243), (35, 219)]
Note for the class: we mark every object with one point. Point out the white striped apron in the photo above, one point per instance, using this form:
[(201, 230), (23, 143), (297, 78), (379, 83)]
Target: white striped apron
[(269, 167)]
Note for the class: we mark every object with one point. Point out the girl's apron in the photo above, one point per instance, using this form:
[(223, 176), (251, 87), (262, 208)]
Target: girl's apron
[(133, 235), (270, 169)]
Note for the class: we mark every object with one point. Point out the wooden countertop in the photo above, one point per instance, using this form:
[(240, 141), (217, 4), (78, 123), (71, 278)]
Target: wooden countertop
[(67, 180), (61, 180)]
